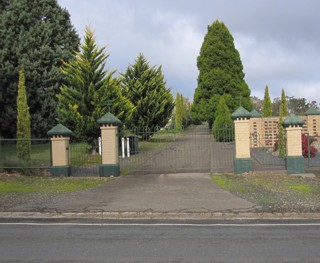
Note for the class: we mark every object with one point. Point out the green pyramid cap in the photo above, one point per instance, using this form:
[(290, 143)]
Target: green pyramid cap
[(255, 114), (292, 120), (241, 113), (60, 130), (109, 118), (312, 111)]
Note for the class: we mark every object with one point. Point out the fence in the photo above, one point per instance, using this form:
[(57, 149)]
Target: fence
[(224, 133), (265, 157), (311, 151), (147, 150), (190, 150), (37, 157), (83, 161)]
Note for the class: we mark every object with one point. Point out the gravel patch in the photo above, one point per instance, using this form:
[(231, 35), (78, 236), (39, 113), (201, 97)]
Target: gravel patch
[(278, 193)]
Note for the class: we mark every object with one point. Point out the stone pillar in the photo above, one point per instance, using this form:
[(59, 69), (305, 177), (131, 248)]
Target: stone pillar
[(60, 165), (109, 145), (242, 161), (294, 160)]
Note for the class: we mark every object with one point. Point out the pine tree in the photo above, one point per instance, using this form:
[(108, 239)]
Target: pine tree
[(220, 72), (222, 122), (146, 89), (37, 34), (23, 120), (267, 105), (89, 92), (283, 114)]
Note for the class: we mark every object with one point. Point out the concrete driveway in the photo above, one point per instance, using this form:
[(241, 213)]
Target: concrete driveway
[(187, 192)]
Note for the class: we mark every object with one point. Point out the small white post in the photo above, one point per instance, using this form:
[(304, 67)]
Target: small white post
[(99, 143), (128, 147), (122, 147)]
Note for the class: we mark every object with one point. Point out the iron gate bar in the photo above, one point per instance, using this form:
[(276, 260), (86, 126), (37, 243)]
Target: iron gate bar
[(193, 150)]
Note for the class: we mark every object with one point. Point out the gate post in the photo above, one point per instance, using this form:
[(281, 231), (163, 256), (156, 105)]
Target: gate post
[(60, 165), (109, 145), (294, 160), (242, 161)]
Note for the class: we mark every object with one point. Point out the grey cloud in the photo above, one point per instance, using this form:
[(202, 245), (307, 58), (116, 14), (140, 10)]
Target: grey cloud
[(278, 41)]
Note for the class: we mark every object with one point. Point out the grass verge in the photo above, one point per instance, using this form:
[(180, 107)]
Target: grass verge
[(46, 184), (19, 190), (274, 193)]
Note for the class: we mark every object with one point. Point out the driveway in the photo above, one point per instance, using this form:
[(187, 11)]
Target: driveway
[(186, 192)]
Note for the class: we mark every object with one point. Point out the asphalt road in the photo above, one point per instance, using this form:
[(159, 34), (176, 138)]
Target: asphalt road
[(137, 241)]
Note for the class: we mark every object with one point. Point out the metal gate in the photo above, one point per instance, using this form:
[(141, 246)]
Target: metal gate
[(165, 151), (311, 152), (82, 161), (265, 157)]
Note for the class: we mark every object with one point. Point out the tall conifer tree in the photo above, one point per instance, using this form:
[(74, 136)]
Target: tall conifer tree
[(90, 91), (179, 111), (146, 89), (223, 122), (220, 72), (23, 120), (37, 34), (283, 114), (267, 105)]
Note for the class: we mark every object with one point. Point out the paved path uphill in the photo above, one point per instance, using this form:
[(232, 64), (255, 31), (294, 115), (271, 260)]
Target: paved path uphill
[(146, 193), (193, 151)]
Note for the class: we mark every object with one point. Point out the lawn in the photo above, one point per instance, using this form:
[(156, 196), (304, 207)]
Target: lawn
[(39, 155), (24, 184), (274, 192), (18, 190)]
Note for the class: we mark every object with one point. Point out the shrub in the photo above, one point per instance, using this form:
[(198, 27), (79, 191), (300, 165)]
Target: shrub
[(313, 150)]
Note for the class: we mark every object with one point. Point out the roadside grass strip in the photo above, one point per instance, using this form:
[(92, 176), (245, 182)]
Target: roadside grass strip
[(47, 184), (274, 193)]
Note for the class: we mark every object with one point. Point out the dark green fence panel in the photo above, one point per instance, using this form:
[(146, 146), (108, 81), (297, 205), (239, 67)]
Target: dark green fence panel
[(311, 152), (83, 161), (171, 151), (39, 157), (265, 157)]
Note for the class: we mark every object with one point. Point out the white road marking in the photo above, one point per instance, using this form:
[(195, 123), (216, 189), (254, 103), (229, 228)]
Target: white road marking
[(163, 224)]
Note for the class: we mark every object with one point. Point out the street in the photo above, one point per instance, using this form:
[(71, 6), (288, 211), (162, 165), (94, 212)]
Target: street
[(163, 241)]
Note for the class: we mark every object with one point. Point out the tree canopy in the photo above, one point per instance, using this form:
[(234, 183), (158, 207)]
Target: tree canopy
[(23, 119), (223, 122), (182, 111), (220, 72), (90, 91), (37, 34), (267, 105), (146, 89)]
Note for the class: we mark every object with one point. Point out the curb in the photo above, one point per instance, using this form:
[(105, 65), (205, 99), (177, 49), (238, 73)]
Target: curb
[(159, 215)]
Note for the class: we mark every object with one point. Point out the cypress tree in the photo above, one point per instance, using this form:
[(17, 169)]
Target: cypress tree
[(283, 114), (222, 122), (220, 72), (146, 89), (267, 105), (23, 120), (179, 111), (37, 34), (89, 92)]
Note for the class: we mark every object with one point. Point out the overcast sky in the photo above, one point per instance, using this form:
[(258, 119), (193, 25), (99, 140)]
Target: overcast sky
[(278, 40)]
